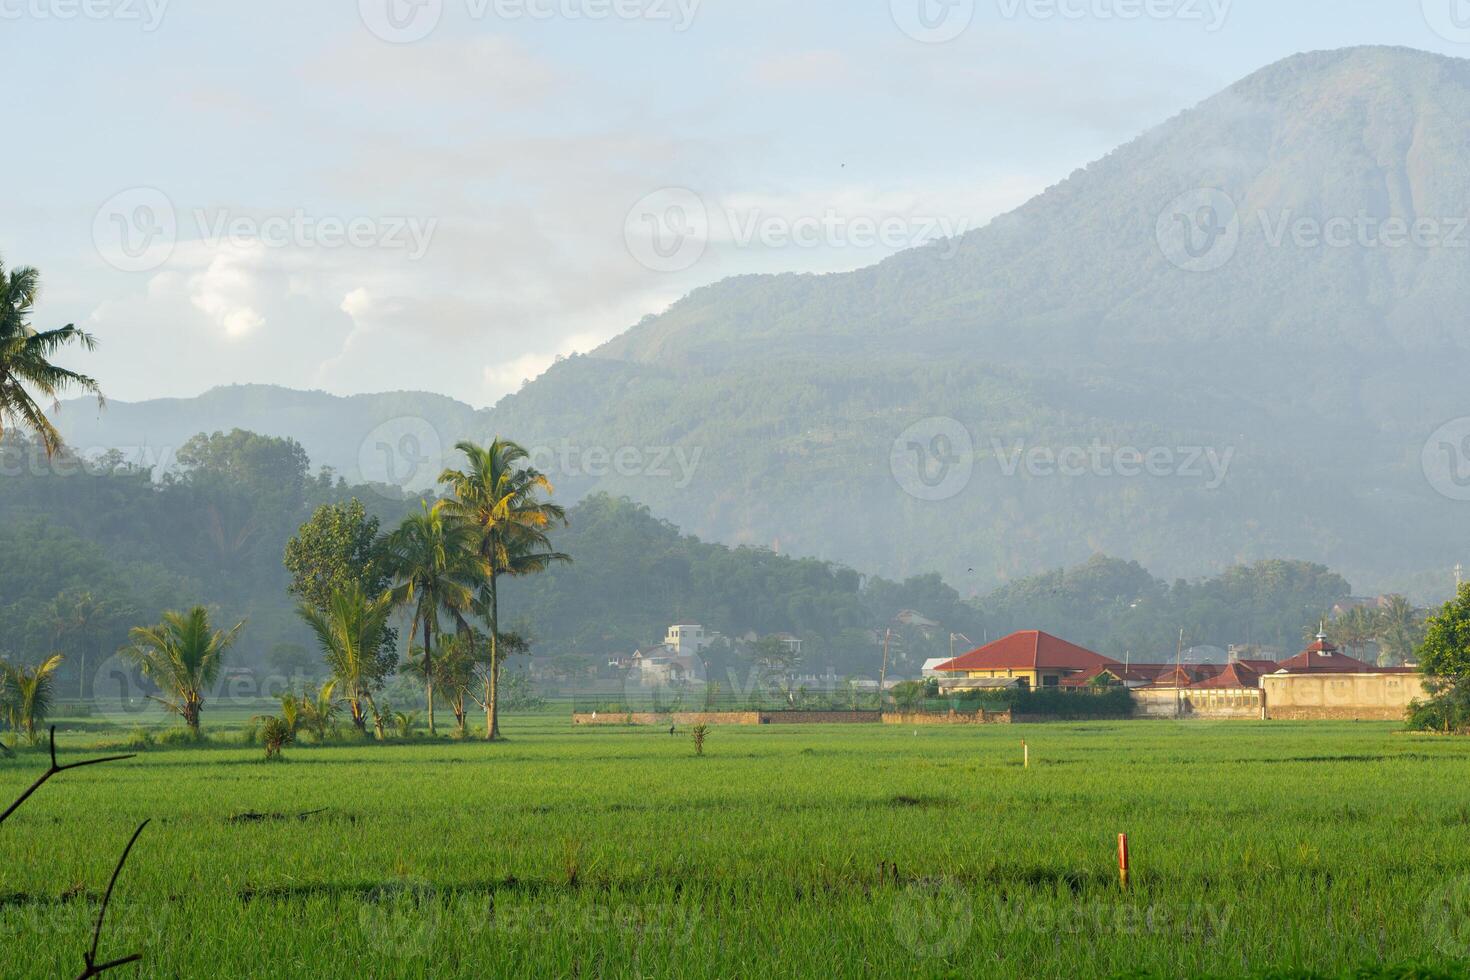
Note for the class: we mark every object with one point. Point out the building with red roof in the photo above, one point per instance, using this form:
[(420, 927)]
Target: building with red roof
[(1030, 657)]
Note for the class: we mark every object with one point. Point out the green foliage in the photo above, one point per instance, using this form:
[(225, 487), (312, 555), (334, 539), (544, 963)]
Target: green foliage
[(338, 546), (183, 655), (1444, 658), (26, 371), (431, 560), (500, 497), (699, 733), (276, 733), (26, 694), (350, 632)]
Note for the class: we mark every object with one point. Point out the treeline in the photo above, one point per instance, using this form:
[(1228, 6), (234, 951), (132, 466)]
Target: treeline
[(95, 546), (92, 550)]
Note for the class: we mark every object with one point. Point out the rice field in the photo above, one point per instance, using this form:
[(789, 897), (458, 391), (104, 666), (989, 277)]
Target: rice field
[(1257, 849)]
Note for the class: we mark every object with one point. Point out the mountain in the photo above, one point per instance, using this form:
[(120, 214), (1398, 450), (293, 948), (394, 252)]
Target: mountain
[(386, 438), (1224, 328)]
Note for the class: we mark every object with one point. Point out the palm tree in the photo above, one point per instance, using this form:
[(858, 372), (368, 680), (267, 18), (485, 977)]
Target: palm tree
[(499, 496), (1355, 628), (26, 695), (317, 709), (25, 360), (431, 557), (1399, 631), (183, 656), (350, 631), (75, 619)]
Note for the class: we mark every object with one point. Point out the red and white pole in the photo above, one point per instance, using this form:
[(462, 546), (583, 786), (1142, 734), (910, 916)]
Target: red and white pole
[(1123, 859)]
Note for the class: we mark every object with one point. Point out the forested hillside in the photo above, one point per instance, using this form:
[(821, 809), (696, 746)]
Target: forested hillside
[(93, 549)]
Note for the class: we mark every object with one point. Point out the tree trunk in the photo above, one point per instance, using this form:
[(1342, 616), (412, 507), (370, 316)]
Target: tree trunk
[(429, 676), (191, 715), (492, 677)]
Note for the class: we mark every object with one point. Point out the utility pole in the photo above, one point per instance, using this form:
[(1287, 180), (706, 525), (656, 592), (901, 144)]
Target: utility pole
[(883, 673), (1178, 670), (1459, 576)]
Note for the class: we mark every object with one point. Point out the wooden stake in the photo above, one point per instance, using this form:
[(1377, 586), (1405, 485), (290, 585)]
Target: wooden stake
[(1123, 859)]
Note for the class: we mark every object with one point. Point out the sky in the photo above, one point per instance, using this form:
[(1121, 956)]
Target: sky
[(448, 195)]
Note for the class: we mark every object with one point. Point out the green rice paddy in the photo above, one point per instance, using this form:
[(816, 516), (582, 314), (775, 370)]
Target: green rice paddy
[(1258, 849)]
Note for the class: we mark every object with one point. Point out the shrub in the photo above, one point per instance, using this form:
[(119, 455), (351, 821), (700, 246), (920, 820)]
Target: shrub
[(139, 739), (180, 736), (275, 734)]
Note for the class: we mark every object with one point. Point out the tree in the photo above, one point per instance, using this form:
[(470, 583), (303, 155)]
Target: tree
[(350, 632), (776, 660), (450, 671), (1355, 629), (430, 557), (25, 360), (26, 693), (338, 546), (76, 619), (499, 496), (1400, 631), (183, 656), (317, 710), (1444, 659)]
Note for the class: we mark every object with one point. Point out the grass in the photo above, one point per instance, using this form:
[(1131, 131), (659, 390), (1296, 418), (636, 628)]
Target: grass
[(1278, 849)]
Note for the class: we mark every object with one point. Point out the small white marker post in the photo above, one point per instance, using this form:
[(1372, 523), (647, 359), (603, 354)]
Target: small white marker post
[(1025, 755)]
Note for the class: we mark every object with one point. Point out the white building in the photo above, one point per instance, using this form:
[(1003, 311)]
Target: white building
[(689, 640)]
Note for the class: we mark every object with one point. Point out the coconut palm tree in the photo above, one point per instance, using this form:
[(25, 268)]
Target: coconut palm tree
[(183, 656), (431, 558), (25, 360), (26, 694), (350, 631), (499, 496), (317, 710), (1400, 631), (1355, 629)]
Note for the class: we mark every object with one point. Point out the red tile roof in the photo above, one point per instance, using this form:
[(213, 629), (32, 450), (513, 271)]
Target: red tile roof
[(1323, 657), (1238, 674), (1028, 650)]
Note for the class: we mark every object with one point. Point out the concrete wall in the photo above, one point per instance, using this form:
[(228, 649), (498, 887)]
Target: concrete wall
[(681, 718), (1234, 704), (729, 718), (981, 717), (1341, 697)]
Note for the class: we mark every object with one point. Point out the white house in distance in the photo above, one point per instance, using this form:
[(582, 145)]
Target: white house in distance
[(689, 640)]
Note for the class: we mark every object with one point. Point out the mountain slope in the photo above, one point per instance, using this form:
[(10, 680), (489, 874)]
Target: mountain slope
[(1079, 317)]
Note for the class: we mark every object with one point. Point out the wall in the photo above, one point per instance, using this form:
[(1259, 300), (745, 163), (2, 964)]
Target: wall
[(1343, 697), (953, 718), (820, 718), (1234, 704), (680, 718), (729, 718)]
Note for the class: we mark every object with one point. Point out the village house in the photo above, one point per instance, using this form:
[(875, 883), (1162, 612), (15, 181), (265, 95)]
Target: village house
[(1321, 682), (1029, 660)]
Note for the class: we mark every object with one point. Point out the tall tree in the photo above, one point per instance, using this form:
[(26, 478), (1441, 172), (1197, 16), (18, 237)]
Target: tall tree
[(431, 559), (183, 656), (499, 496), (25, 360), (1400, 630), (350, 631)]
